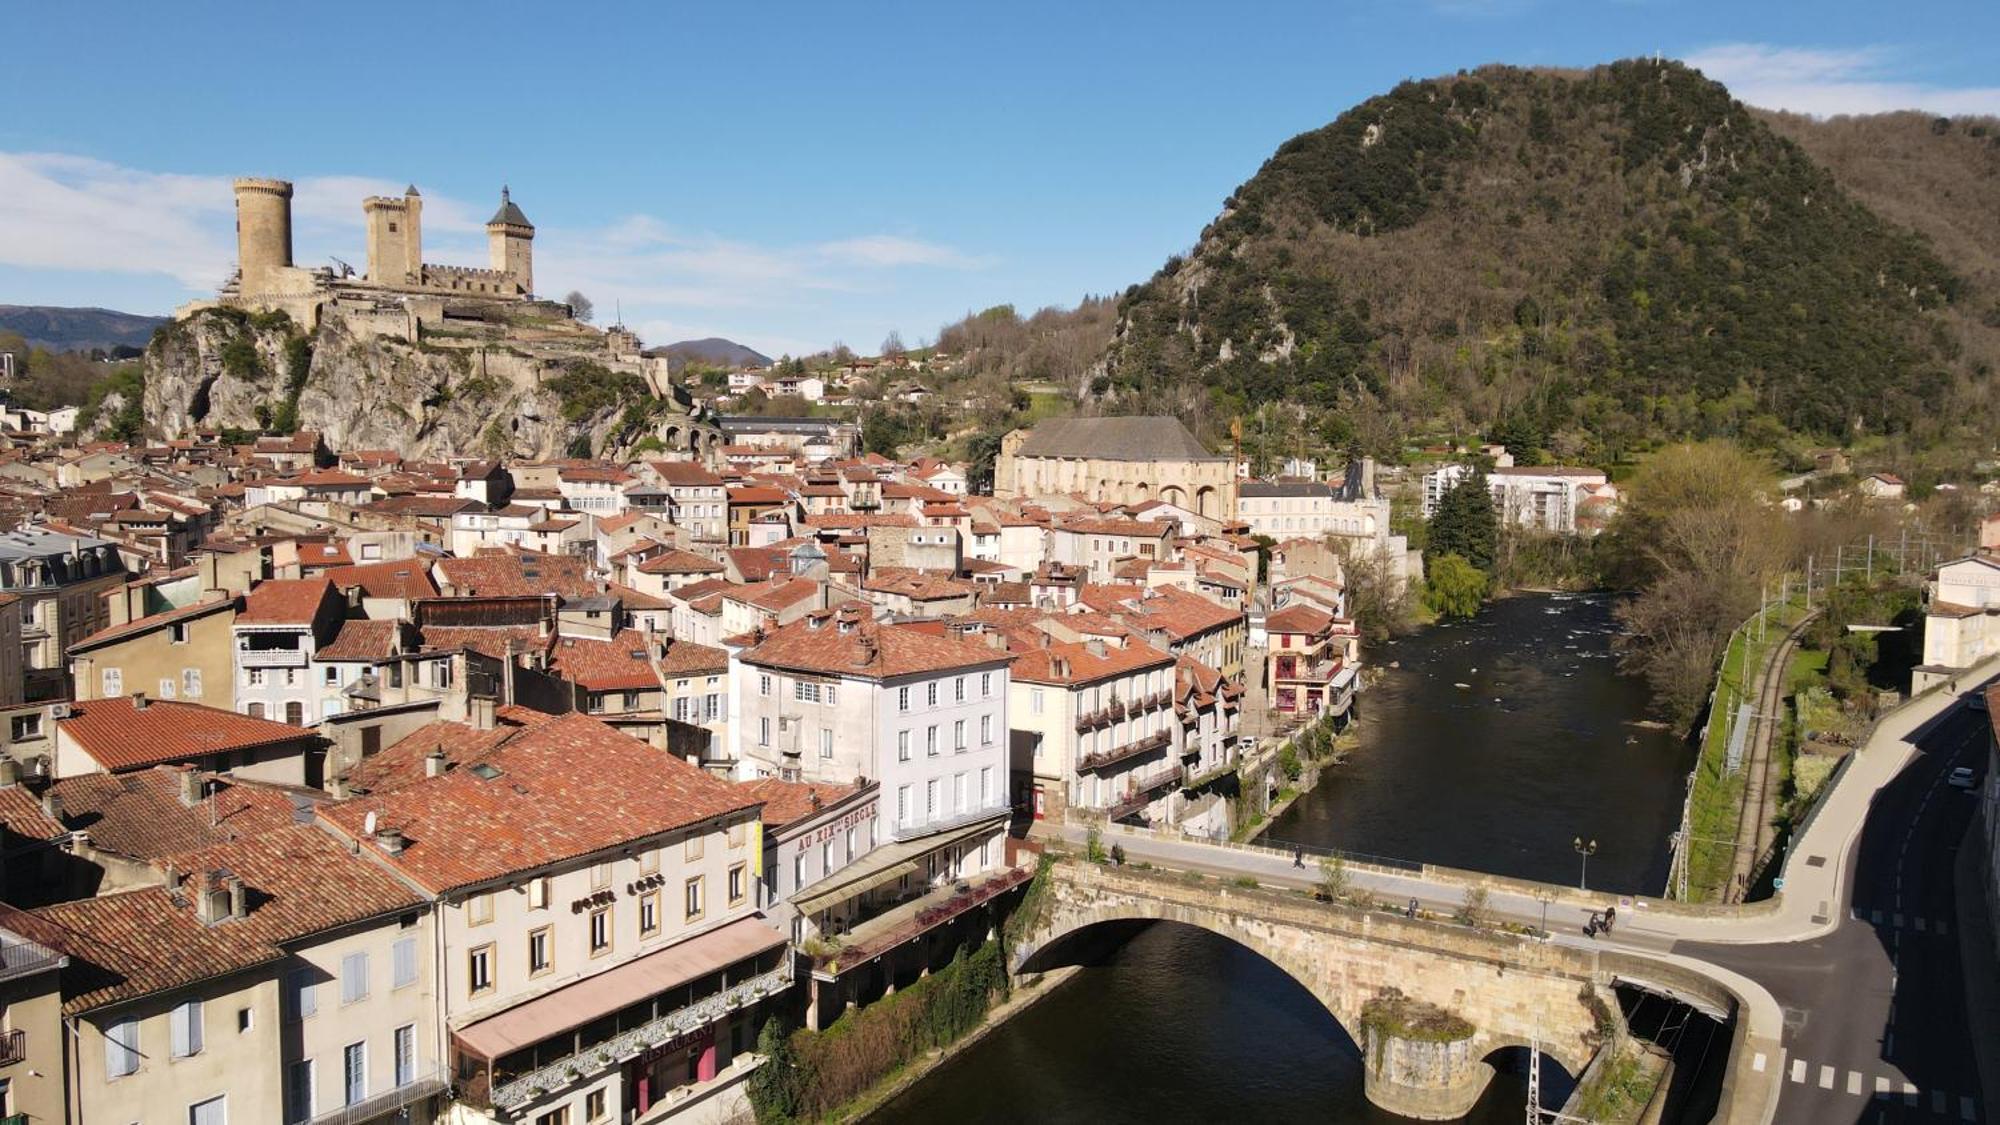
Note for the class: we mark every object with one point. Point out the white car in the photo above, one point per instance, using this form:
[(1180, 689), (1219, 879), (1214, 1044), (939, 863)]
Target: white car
[(1962, 778)]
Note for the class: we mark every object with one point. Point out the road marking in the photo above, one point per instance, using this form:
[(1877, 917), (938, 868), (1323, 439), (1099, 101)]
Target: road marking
[(1853, 1081), (1798, 1070), (1966, 1111), (1826, 1074), (1757, 1062)]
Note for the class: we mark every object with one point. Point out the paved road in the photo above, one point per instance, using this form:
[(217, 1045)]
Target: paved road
[(1875, 1015)]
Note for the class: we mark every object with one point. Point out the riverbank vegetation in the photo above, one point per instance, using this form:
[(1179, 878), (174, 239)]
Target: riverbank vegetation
[(812, 1076)]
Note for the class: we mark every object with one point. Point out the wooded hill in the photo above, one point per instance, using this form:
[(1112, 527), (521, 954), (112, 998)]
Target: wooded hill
[(1587, 262)]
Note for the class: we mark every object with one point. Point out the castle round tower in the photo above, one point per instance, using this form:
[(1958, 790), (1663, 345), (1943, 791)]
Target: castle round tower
[(263, 232)]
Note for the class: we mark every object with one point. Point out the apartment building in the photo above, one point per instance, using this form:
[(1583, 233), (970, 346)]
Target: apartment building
[(696, 499), (600, 948), (1098, 726), (183, 653), (920, 709), (272, 978), (1098, 545)]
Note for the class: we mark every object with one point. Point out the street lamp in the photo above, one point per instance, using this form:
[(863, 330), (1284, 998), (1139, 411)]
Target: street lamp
[(1586, 850)]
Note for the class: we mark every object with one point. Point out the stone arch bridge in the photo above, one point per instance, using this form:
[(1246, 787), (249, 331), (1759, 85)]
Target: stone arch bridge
[(1511, 989)]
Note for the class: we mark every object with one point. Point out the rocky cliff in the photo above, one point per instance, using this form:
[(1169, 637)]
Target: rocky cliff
[(225, 369)]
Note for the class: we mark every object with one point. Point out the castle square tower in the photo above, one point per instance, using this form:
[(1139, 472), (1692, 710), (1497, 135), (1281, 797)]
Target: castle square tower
[(510, 240), (395, 238)]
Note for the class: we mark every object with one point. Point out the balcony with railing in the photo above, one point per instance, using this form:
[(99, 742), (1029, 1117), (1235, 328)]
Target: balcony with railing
[(271, 657), (1146, 790), (521, 1088), (20, 958), (13, 1047), (1099, 759), (419, 1087)]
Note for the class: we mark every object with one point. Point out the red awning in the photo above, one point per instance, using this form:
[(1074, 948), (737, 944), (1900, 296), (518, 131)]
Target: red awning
[(574, 1005)]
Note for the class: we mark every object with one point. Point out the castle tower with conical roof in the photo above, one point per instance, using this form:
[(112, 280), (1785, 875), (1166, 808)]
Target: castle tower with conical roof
[(510, 239)]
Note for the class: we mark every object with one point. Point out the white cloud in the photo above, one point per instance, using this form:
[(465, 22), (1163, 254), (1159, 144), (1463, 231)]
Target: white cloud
[(1830, 81), (68, 213)]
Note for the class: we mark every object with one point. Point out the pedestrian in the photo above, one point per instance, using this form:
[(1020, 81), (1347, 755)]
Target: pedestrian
[(1590, 927), (1118, 854), (1298, 855), (1610, 915), (1413, 908)]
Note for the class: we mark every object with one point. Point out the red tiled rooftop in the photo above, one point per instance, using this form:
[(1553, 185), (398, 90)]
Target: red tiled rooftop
[(285, 601), (569, 788), (119, 736)]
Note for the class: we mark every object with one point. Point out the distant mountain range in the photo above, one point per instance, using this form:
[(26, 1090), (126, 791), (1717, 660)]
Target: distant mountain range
[(73, 330), (712, 350)]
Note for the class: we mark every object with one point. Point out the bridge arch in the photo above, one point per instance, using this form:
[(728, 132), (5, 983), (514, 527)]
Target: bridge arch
[(1511, 990)]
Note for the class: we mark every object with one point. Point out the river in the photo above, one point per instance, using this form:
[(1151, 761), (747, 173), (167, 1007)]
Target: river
[(1177, 1024), (1503, 774)]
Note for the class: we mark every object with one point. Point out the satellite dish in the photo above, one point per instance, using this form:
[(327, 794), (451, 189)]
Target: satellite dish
[(368, 824)]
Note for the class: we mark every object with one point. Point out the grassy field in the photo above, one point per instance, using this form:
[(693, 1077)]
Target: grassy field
[(1718, 796)]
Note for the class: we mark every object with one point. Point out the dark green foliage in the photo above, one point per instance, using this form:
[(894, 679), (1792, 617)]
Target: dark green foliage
[(240, 359), (1465, 524), (129, 423), (586, 388), (1588, 262), (298, 364), (824, 1070)]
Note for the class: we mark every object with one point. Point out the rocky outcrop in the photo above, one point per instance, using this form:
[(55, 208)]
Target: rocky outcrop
[(223, 368)]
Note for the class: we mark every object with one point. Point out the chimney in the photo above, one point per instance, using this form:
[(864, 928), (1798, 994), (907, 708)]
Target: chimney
[(190, 781), (1096, 647), (139, 702), (52, 805), (482, 713), (10, 773), (391, 840), (211, 902), (434, 763), (338, 788), (173, 878), (239, 898)]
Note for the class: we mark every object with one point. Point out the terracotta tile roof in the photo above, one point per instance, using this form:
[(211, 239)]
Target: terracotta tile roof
[(402, 763), (299, 881), (331, 478), (915, 585), (619, 664), (565, 789), (435, 507), (1136, 528), (680, 562), (635, 600), (756, 564), (120, 737), (324, 554), (360, 640), (787, 801), (1176, 612), (398, 578), (756, 494), (778, 593), (147, 624), (141, 814), (1298, 619), (505, 575), (487, 640), (1075, 663), (684, 474), (21, 814), (285, 601), (865, 648), (593, 474)]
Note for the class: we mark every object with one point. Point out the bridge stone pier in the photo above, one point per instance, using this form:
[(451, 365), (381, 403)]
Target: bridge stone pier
[(1429, 1003)]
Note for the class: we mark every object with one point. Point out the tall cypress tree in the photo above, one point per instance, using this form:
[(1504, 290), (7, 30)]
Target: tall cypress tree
[(1465, 524)]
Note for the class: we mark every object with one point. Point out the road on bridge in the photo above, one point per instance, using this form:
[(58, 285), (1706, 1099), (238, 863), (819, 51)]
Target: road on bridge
[(1860, 958)]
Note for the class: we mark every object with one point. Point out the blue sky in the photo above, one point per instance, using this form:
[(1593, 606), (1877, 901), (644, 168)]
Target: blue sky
[(793, 174)]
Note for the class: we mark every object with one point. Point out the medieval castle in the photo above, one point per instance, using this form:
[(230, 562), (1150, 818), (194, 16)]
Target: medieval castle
[(267, 279)]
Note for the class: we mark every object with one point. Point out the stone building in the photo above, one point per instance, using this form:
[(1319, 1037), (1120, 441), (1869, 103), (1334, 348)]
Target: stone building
[(1116, 460)]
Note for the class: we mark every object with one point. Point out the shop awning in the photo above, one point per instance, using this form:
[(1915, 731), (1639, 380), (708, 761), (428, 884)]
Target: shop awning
[(885, 864), (854, 888), (574, 1005)]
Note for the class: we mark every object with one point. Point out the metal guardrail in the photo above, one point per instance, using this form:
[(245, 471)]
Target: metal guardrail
[(594, 1060), (13, 1047), (432, 1081)]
